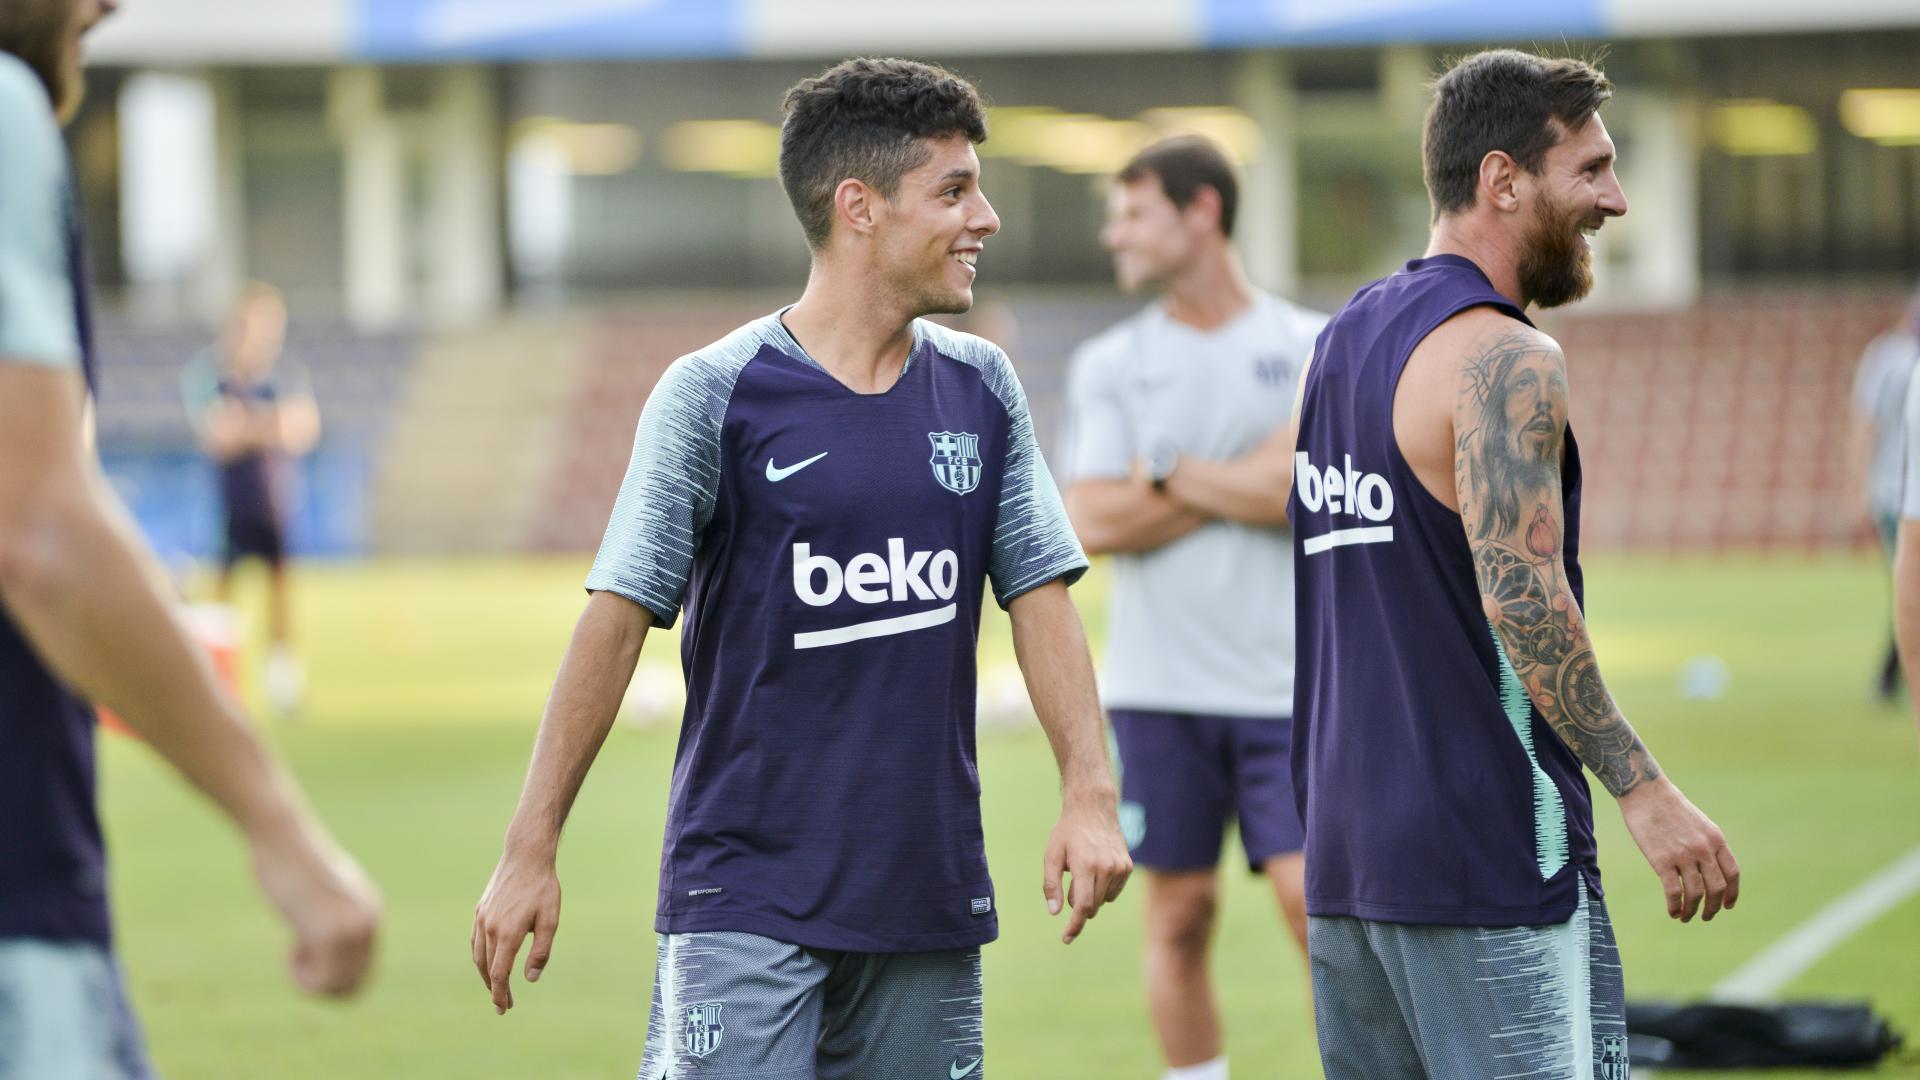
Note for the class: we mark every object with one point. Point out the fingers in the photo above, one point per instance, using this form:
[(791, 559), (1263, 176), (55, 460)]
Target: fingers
[(1716, 883), (544, 926), (1055, 861), (1082, 909), (479, 946), (1696, 888), (1728, 866), (1671, 885), (500, 969), (1116, 883)]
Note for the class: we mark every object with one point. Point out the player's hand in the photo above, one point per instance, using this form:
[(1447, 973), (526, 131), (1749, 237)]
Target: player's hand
[(331, 905), (1684, 847), (1087, 845), (523, 898)]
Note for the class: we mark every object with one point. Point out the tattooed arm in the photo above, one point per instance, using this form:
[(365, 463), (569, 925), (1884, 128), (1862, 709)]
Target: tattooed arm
[(1510, 421)]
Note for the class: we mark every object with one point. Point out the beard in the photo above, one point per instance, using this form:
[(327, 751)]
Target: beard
[(1555, 267)]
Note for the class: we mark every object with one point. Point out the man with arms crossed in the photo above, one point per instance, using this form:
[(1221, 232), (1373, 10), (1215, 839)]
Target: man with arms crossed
[(830, 489), (82, 618), (1447, 692), (1199, 672)]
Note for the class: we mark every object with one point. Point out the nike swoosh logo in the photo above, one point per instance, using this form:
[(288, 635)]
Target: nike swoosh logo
[(777, 474), (955, 1072)]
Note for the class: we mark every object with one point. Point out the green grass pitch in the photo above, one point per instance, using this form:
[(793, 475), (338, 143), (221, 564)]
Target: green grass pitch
[(428, 678)]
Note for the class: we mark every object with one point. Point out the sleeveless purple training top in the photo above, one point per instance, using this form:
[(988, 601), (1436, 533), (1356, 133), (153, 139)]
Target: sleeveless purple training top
[(53, 873), (1431, 788)]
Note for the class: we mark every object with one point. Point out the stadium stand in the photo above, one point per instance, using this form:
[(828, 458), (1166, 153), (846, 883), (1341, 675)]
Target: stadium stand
[(1673, 410), (1722, 426), (148, 446)]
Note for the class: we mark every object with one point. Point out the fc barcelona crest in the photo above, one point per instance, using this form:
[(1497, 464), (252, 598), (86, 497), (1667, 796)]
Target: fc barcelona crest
[(1613, 1058), (700, 1029), (956, 460)]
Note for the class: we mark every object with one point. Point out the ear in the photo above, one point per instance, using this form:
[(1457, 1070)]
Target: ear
[(856, 206), (1499, 181), (1205, 207)]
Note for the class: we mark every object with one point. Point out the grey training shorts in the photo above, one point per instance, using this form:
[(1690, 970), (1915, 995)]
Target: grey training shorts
[(729, 1004), (1403, 1002)]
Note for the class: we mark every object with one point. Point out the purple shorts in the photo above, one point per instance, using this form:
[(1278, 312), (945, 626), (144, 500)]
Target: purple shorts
[(1184, 776)]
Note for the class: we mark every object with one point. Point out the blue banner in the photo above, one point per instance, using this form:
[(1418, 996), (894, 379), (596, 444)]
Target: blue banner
[(547, 29), (1235, 23), (175, 497)]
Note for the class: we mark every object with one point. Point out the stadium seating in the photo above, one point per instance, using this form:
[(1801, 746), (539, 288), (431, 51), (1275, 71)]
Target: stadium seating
[(148, 445), (1720, 426)]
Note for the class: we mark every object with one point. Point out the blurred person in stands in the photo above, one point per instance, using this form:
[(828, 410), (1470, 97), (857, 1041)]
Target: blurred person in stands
[(1448, 693), (1199, 667), (83, 618), (1877, 454), (254, 418)]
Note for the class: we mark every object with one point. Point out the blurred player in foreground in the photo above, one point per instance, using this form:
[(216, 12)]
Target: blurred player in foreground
[(1878, 446), (252, 418), (1199, 672), (830, 489), (1447, 691), (82, 616)]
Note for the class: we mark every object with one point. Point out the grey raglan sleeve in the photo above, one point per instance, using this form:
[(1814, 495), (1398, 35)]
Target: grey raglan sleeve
[(36, 291), (668, 495), (1033, 543)]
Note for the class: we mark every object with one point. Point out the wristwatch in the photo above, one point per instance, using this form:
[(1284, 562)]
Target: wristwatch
[(1161, 463)]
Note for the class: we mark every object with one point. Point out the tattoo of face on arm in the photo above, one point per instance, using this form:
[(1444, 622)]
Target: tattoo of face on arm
[(1511, 420)]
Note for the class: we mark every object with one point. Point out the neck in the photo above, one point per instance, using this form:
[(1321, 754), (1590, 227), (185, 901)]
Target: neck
[(1485, 248), (860, 336), (1210, 293)]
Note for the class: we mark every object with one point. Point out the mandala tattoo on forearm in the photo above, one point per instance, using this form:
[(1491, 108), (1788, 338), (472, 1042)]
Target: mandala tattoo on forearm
[(1512, 424)]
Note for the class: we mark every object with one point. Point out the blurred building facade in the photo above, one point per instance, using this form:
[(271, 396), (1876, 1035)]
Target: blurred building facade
[(527, 210)]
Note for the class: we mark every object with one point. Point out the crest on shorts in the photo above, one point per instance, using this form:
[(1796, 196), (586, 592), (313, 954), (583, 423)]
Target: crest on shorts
[(956, 460), (700, 1030), (1613, 1058)]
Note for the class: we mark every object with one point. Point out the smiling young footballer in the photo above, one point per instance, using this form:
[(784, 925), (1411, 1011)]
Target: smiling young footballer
[(829, 490)]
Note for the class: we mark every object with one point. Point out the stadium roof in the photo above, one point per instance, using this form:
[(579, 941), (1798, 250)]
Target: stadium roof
[(336, 31)]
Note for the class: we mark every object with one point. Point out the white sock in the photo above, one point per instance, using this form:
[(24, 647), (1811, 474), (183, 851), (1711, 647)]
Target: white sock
[(286, 679), (1206, 1070)]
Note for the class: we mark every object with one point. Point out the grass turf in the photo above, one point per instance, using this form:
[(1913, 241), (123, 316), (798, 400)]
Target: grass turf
[(427, 681)]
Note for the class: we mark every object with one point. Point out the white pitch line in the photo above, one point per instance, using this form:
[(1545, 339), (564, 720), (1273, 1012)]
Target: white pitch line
[(1787, 959)]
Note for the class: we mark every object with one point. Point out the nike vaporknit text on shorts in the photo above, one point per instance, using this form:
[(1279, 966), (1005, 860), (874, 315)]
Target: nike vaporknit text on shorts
[(729, 1004), (1183, 777)]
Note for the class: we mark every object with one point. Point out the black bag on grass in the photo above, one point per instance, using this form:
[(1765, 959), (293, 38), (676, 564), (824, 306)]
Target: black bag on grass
[(1728, 1036)]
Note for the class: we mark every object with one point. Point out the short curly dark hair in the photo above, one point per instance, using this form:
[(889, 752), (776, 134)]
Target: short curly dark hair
[(1505, 100), (863, 119), (1185, 164)]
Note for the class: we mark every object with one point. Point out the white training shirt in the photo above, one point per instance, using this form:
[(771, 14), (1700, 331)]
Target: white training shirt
[(1880, 392), (1203, 624), (1910, 494)]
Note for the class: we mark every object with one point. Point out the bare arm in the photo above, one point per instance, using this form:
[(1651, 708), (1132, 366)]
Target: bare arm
[(1510, 421), (298, 419), (1251, 489), (1086, 843), (78, 580), (1118, 516), (524, 895)]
